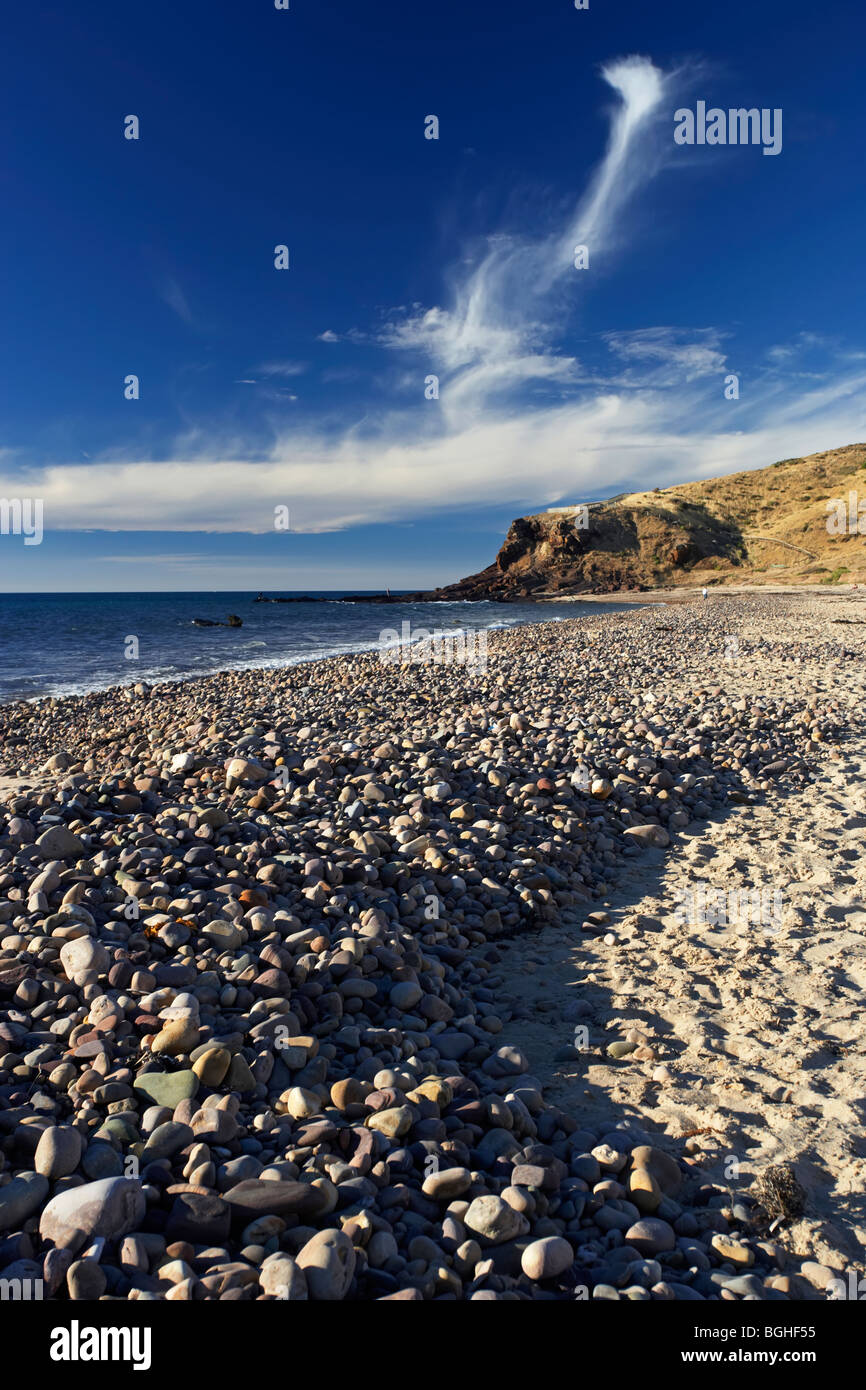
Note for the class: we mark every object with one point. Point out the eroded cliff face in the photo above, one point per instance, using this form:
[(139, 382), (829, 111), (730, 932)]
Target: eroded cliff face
[(606, 548), (767, 526)]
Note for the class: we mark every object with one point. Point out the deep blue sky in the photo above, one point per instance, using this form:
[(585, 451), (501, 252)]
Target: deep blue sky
[(306, 127)]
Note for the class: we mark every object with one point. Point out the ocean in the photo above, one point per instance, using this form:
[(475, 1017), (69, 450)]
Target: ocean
[(66, 644)]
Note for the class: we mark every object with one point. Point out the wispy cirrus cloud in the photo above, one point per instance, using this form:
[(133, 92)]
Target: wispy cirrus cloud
[(497, 334), (170, 290), (520, 419), (601, 443), (679, 354)]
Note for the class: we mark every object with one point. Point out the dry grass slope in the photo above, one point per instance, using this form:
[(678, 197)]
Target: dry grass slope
[(767, 526)]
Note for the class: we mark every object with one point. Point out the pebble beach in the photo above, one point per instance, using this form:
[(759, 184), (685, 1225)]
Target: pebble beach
[(375, 981)]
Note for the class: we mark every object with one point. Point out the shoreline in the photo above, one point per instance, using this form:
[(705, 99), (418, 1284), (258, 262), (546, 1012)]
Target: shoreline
[(684, 593), (625, 599), (275, 664), (434, 880)]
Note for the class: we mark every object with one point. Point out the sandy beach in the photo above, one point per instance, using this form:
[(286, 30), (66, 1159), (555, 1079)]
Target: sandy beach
[(535, 979)]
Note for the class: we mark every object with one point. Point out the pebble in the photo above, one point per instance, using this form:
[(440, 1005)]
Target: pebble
[(58, 1152), (651, 1236), (282, 1277), (547, 1258), (86, 1279), (327, 1262), (167, 1088), (109, 1207), (212, 1065), (20, 1198), (494, 1221), (448, 1184), (251, 946)]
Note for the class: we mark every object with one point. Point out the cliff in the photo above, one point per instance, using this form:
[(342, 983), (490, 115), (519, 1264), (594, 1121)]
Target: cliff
[(767, 526)]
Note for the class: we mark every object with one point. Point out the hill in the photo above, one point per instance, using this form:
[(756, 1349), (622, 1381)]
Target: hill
[(768, 526)]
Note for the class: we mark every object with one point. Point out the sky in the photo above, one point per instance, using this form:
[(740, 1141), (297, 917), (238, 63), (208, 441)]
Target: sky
[(432, 363)]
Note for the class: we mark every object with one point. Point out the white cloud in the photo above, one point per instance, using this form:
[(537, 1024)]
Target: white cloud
[(405, 468), (518, 422), (329, 336), (688, 353), (497, 336)]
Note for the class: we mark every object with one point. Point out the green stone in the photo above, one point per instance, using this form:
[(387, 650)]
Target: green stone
[(167, 1087)]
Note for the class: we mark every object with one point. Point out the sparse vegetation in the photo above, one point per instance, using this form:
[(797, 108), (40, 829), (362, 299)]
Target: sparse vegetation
[(731, 523), (779, 1195)]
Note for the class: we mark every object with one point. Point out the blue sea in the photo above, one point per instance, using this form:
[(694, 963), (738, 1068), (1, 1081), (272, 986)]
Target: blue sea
[(66, 644)]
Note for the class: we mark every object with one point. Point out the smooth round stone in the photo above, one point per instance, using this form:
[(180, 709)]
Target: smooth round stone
[(405, 995), (85, 1279), (745, 1285), (644, 1191), (447, 1184), (58, 1152), (347, 1092), (58, 842), (154, 1116), (506, 1061), (20, 1198), (388, 1078), (111, 1207), (520, 1200), (732, 1251), (394, 1122), (432, 1088), (179, 1035), (381, 1248), (282, 1277), (494, 1221), (166, 1140), (225, 936), (301, 1103), (239, 1076), (212, 1066), (263, 1229), (84, 955), (653, 836), (547, 1258), (328, 1264), (101, 1160), (167, 1088), (663, 1167), (651, 1236), (262, 1197)]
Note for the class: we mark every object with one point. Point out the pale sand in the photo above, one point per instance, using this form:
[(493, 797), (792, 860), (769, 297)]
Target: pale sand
[(762, 1032)]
